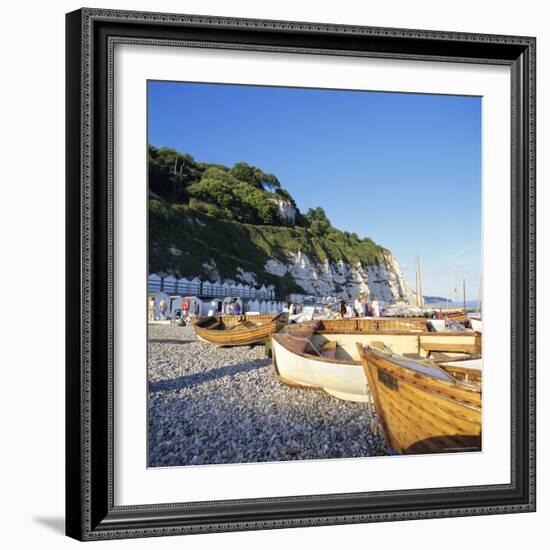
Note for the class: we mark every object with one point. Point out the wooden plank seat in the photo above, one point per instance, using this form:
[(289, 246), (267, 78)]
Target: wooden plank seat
[(430, 347), (243, 324), (438, 356)]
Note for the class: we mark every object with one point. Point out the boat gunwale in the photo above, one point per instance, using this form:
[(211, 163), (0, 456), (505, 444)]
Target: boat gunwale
[(410, 332), (245, 317), (300, 385), (334, 361), (454, 383), (226, 337), (352, 362)]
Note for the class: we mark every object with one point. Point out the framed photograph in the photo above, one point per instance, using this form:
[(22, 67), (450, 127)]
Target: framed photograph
[(300, 274)]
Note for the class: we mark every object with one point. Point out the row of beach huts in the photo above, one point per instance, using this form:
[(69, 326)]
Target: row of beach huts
[(195, 287), (163, 306), (173, 298)]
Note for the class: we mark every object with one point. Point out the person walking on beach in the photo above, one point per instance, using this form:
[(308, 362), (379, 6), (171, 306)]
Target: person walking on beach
[(163, 307), (376, 307), (342, 308), (152, 309)]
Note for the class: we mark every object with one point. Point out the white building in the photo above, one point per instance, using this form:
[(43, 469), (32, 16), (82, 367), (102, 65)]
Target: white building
[(184, 286), (153, 283), (169, 284), (195, 287), (286, 211), (262, 293), (208, 289), (217, 288)]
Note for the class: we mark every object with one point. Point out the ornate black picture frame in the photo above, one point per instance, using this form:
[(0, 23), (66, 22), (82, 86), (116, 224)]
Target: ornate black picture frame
[(91, 513)]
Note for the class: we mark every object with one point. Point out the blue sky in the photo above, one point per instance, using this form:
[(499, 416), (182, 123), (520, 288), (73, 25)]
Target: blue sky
[(403, 169)]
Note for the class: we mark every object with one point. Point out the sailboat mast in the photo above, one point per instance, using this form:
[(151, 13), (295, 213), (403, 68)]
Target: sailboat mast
[(417, 282), (420, 279), (464, 293), (478, 305), (457, 292), (419, 295)]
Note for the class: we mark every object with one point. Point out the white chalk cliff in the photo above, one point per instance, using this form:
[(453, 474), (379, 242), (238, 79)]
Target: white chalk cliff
[(384, 281)]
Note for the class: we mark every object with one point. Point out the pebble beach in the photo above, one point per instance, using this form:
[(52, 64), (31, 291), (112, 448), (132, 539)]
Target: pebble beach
[(224, 405)]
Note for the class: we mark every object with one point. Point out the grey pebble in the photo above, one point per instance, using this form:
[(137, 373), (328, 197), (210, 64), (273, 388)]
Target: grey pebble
[(211, 405)]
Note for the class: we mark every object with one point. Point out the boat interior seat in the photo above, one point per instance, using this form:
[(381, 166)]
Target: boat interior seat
[(438, 356), (431, 347), (329, 350), (242, 325)]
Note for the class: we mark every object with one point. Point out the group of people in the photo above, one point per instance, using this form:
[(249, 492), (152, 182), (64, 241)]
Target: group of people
[(231, 308), (361, 308)]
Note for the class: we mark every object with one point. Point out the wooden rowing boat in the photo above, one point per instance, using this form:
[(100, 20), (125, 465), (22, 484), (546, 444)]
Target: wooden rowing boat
[(422, 407), (300, 362), (374, 324), (468, 371), (457, 316), (307, 356), (238, 330)]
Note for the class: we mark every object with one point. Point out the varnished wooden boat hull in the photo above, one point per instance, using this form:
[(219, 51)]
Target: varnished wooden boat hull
[(342, 379), (374, 324), (419, 412), (457, 316), (298, 355), (225, 331)]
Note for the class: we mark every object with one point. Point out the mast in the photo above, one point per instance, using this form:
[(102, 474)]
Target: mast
[(464, 293), (420, 280), (416, 272), (419, 295), (456, 296), (478, 305)]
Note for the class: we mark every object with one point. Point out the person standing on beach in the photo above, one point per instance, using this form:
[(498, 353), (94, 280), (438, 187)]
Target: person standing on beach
[(343, 308), (152, 309), (163, 307), (365, 302), (376, 307), (359, 307)]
